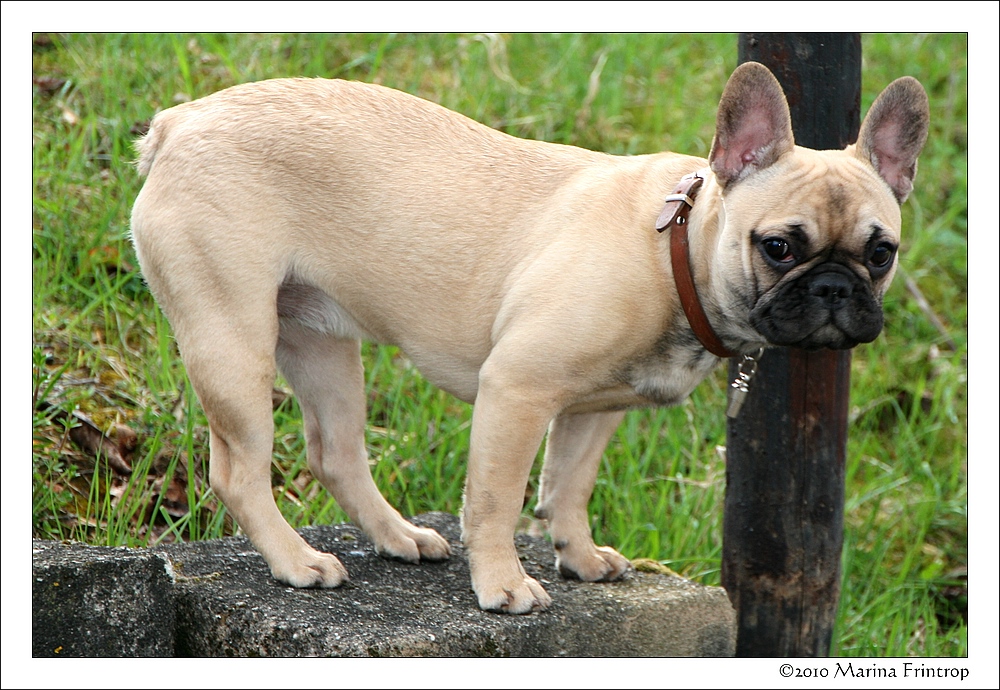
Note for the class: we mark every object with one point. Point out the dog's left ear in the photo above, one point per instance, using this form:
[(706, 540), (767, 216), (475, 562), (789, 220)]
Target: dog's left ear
[(753, 127), (894, 132)]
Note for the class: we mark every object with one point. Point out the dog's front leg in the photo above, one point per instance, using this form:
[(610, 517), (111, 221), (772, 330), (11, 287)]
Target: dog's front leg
[(508, 423), (573, 454)]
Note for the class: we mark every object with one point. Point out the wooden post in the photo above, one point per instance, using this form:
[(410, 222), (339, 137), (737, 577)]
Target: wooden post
[(784, 508)]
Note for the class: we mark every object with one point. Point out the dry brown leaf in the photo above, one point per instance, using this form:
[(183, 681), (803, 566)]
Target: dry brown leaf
[(48, 85), (89, 438)]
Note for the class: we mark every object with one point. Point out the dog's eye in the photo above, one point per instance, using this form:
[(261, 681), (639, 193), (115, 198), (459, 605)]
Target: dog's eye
[(777, 249), (882, 255)]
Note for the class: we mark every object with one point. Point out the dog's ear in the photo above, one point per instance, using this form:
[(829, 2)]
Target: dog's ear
[(753, 127), (894, 132)]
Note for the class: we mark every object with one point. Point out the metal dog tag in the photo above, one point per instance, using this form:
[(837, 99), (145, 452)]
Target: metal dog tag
[(740, 387), (737, 396)]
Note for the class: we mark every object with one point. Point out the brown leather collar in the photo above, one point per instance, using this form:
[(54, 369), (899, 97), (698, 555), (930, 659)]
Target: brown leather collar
[(675, 217)]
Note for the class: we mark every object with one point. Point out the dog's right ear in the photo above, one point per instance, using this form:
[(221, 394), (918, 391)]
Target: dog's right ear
[(753, 127), (894, 132)]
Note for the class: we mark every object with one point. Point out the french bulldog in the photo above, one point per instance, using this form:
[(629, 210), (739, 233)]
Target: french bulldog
[(282, 222)]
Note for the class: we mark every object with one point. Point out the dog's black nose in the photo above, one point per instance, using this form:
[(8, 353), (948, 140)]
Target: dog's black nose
[(831, 289)]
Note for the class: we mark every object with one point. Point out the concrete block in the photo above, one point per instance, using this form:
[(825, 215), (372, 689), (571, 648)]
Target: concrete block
[(228, 605), (217, 598), (100, 602)]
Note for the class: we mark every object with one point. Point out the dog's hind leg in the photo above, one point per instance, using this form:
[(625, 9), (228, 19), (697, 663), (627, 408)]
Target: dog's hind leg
[(327, 376), (228, 345), (573, 453)]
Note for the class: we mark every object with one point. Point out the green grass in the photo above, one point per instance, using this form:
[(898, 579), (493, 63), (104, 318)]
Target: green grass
[(102, 348)]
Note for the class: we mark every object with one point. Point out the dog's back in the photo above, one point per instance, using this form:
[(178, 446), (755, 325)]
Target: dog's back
[(344, 187)]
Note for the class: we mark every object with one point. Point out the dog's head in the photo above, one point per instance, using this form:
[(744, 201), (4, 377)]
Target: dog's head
[(809, 238)]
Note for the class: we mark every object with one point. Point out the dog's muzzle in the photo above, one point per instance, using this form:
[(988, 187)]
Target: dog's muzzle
[(827, 307)]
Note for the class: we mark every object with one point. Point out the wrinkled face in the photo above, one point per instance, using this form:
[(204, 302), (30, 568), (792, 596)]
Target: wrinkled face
[(814, 237)]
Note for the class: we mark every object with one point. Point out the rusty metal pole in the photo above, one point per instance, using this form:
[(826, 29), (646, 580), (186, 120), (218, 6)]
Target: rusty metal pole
[(784, 508)]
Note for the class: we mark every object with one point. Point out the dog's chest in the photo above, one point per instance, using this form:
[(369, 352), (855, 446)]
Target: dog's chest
[(668, 377), (662, 378)]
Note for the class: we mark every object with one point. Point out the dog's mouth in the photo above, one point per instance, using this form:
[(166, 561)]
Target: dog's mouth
[(829, 307), (826, 335), (830, 337)]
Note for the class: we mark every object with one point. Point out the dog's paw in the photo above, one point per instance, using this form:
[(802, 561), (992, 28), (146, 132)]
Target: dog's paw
[(316, 569), (521, 596), (595, 564), (413, 544)]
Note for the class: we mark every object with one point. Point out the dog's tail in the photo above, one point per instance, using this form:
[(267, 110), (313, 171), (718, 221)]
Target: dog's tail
[(148, 145)]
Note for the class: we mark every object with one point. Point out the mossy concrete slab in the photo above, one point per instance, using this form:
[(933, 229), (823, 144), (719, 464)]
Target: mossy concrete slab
[(227, 604)]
